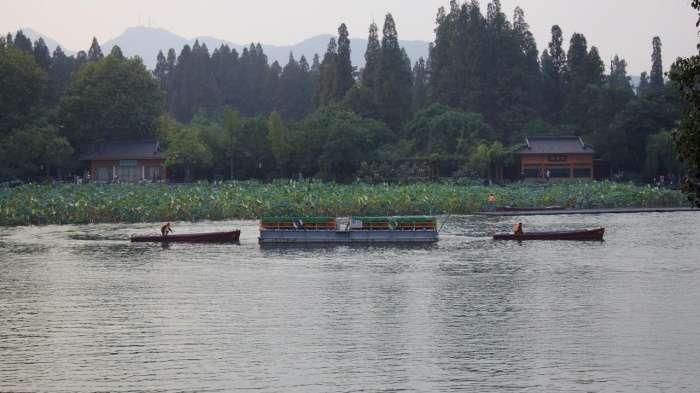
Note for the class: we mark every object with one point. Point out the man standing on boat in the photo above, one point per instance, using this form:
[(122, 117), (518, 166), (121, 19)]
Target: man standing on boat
[(518, 229), (165, 229)]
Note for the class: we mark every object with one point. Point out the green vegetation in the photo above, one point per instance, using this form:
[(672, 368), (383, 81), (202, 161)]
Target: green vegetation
[(225, 114), (686, 74), (73, 204)]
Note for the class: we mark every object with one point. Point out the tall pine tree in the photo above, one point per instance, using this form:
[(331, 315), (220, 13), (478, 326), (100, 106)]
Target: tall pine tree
[(344, 68), (656, 78), (327, 81), (22, 42), (42, 55), (95, 52), (394, 89), (420, 85), (372, 53)]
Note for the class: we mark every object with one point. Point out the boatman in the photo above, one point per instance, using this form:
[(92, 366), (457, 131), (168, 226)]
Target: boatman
[(491, 202), (518, 228), (165, 229)]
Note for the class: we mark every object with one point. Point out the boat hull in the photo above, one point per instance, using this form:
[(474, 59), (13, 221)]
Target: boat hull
[(213, 237), (585, 235), (347, 237), (529, 209)]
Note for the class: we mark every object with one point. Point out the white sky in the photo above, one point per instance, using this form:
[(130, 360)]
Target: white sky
[(615, 26)]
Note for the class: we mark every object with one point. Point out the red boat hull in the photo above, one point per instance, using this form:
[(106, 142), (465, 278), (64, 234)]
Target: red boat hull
[(213, 237), (591, 235)]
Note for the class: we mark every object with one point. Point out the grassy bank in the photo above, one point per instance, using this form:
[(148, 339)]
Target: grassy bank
[(77, 204)]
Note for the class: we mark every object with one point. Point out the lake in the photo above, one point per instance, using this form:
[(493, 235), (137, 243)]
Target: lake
[(83, 310)]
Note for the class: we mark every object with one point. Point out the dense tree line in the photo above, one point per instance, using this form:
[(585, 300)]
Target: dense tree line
[(226, 114), (686, 73)]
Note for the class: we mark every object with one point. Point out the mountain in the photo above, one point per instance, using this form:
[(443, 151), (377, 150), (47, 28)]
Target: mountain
[(50, 42), (145, 42)]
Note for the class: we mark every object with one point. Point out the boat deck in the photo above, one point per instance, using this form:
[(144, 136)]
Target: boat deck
[(347, 236)]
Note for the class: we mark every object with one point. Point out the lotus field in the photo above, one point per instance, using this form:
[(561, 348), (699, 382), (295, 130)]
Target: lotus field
[(94, 203)]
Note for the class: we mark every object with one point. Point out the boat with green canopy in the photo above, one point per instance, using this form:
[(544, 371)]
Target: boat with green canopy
[(302, 230)]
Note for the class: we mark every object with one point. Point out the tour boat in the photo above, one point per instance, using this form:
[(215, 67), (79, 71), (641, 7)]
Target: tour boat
[(588, 234), (331, 230), (212, 237)]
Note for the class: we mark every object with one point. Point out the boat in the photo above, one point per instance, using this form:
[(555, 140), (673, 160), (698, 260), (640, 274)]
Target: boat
[(212, 237), (582, 235), (529, 209), (352, 230)]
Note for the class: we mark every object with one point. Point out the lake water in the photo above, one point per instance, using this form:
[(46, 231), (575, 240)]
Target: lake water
[(83, 310)]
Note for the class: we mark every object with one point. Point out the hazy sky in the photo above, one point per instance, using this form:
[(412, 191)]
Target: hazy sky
[(615, 26)]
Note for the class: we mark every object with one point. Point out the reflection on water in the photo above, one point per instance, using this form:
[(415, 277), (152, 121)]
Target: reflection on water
[(84, 310)]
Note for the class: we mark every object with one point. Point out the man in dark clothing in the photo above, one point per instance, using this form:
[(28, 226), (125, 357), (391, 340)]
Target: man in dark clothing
[(518, 230), (165, 229)]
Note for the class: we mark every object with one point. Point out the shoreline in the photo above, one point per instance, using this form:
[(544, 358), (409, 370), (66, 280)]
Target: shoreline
[(85, 204)]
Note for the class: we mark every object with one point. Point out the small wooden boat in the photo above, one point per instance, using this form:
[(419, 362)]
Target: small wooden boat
[(212, 237), (529, 209), (581, 235)]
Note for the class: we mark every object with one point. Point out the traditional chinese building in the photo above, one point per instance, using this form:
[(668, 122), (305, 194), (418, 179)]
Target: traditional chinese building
[(565, 157), (128, 162)]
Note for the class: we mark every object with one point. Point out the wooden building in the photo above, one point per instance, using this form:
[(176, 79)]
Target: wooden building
[(127, 162), (564, 157)]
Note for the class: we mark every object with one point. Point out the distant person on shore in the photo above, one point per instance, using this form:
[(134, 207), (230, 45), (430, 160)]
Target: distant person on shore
[(518, 228), (165, 229)]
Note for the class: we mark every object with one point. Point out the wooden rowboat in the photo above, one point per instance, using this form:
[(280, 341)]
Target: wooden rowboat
[(582, 235), (212, 237), (530, 209)]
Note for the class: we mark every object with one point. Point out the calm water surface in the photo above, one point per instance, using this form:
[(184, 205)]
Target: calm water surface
[(83, 310)]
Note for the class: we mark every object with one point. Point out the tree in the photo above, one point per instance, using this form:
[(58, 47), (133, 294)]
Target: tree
[(685, 72), (327, 82), (95, 52), (42, 55), (661, 156), (440, 130), (22, 86), (583, 75), (112, 99), (372, 55), (22, 42), (116, 52), (294, 95), (185, 147), (618, 78), (656, 78), (60, 73), (625, 144), (394, 78), (643, 87), (278, 137), (553, 67), (333, 142), (485, 158), (32, 152), (160, 72), (232, 126), (193, 86), (344, 67), (420, 85)]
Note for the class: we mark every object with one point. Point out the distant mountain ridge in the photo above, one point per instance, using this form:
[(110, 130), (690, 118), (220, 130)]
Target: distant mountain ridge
[(50, 42), (145, 42)]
